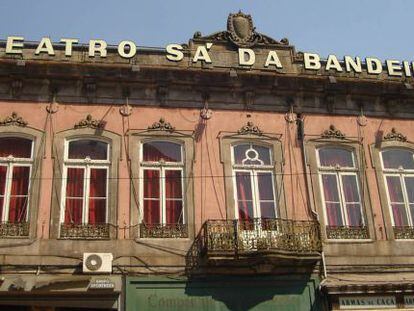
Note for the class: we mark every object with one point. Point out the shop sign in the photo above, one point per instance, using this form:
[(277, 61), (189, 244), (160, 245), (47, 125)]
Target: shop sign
[(367, 302), (101, 284)]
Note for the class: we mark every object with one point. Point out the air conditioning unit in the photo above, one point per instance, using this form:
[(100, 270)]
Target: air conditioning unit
[(97, 262)]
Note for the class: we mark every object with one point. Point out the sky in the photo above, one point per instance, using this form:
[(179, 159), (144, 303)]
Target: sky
[(364, 28)]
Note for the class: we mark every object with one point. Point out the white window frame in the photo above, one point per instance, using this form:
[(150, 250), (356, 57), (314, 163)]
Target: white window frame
[(10, 162), (339, 172), (161, 167), (401, 173), (253, 170), (86, 164)]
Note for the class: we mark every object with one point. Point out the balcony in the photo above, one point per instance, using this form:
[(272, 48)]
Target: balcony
[(347, 232), (404, 233), (163, 231), (84, 231), (14, 229), (275, 239)]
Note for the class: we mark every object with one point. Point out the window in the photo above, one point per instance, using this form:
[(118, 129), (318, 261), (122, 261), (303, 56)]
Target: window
[(340, 189), (398, 171), (85, 189), (162, 171), (16, 160), (254, 182)]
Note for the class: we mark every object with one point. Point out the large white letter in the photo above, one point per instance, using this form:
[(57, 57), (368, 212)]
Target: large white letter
[(132, 49), (174, 52), (97, 46), (68, 45), (332, 62), (394, 68), (45, 46), (12, 45), (242, 57), (273, 59), (202, 54), (407, 70), (355, 65), (312, 61), (370, 65)]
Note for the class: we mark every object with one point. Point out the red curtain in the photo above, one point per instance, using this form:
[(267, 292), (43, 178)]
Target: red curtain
[(173, 197), (152, 213), (15, 146), (74, 195), (97, 196), (244, 195), (157, 150), (94, 149), (19, 194), (397, 201), (3, 174), (266, 195), (332, 203), (352, 200)]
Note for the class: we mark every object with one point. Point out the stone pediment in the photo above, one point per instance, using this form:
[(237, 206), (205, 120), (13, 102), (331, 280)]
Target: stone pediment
[(240, 32)]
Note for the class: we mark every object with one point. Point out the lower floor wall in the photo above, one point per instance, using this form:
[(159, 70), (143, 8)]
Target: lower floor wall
[(282, 293)]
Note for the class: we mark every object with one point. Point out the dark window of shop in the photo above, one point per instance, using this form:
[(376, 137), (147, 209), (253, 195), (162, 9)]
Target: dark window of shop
[(16, 160)]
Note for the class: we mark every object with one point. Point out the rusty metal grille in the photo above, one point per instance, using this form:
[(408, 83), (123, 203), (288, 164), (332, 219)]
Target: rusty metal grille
[(163, 231), (344, 232), (14, 229), (84, 231)]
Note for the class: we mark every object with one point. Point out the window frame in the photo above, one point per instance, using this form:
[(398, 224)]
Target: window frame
[(60, 155), (376, 154), (227, 142), (136, 139), (37, 152), (316, 194)]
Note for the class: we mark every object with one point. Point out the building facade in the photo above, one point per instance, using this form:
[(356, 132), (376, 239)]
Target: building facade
[(229, 173)]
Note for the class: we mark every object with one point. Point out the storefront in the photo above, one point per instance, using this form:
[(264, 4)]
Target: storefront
[(222, 293), (60, 293)]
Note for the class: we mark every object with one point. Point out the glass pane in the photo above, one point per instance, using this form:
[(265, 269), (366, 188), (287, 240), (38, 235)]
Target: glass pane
[(152, 184), (333, 212), (97, 211), (399, 215), (244, 195), (394, 189), (15, 146), (266, 190), (412, 212), (97, 185), (333, 156), (251, 155), (174, 210), (20, 182), (240, 152), (395, 158), (152, 212), (162, 150), (3, 174), (17, 208), (73, 211), (354, 215), (350, 188), (264, 154), (94, 149), (74, 183), (267, 209), (330, 187), (409, 185), (173, 184), (245, 210)]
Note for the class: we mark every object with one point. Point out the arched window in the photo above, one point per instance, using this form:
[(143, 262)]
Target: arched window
[(162, 184), (338, 175), (254, 182), (16, 159), (398, 171), (85, 186)]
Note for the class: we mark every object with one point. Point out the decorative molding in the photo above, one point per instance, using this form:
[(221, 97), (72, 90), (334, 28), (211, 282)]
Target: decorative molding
[(241, 32), (14, 119), (394, 135), (89, 122), (162, 126), (250, 128), (333, 132)]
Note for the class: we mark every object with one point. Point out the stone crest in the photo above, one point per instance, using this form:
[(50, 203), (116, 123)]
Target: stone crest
[(240, 29)]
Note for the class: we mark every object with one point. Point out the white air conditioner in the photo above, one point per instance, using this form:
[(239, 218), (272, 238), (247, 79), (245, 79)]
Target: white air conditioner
[(97, 262)]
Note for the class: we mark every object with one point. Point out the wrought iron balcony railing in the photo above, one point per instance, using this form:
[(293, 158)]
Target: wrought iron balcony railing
[(347, 232), (234, 237), (404, 232), (163, 231), (14, 229), (84, 231)]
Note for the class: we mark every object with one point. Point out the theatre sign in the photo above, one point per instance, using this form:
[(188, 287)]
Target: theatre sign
[(252, 50)]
